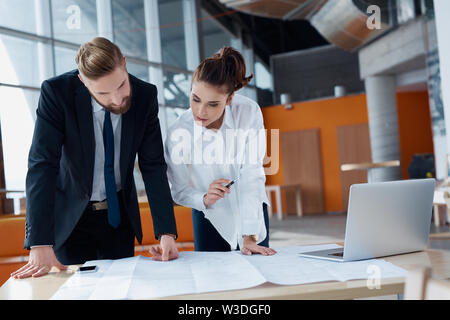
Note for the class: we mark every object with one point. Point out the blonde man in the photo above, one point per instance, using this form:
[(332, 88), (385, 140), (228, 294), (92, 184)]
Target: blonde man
[(81, 196)]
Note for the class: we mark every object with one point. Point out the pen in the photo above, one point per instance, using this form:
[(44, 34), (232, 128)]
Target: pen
[(232, 182)]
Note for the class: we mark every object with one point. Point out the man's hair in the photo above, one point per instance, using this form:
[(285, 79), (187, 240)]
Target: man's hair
[(98, 58)]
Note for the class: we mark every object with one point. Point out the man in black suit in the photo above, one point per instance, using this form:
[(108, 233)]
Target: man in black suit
[(81, 196)]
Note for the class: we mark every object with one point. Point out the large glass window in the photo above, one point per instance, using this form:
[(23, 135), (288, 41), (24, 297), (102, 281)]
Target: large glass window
[(176, 89), (214, 35), (74, 21), (138, 70), (19, 61), (263, 77), (172, 114), (172, 33), (18, 14), (26, 61), (64, 60), (129, 27), (17, 114)]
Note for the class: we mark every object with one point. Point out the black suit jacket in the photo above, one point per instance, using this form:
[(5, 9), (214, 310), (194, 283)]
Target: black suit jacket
[(61, 161)]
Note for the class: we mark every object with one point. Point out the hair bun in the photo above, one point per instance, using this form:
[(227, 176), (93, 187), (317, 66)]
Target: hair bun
[(225, 68), (234, 65)]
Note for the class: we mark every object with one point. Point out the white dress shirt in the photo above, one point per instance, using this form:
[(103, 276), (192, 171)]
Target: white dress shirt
[(197, 156), (98, 184)]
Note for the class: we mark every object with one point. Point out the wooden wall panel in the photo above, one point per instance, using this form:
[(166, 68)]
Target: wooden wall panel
[(353, 147), (302, 164)]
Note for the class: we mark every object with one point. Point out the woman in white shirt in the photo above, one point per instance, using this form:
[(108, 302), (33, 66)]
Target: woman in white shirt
[(220, 139)]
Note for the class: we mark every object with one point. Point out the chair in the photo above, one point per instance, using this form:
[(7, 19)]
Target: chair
[(421, 286), (277, 189), (12, 254)]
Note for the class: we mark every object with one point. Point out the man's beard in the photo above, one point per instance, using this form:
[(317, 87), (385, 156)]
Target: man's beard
[(113, 109), (120, 110)]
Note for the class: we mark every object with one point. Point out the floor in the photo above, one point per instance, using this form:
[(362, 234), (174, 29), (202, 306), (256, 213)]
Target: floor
[(306, 230)]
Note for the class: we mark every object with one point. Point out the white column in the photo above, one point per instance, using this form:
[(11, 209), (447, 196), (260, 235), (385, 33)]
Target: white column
[(247, 53), (44, 50), (154, 53), (104, 19), (191, 34), (43, 28), (383, 125), (250, 66), (237, 44), (442, 18)]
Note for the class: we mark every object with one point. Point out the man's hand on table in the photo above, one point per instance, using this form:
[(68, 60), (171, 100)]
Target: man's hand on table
[(166, 250), (41, 261)]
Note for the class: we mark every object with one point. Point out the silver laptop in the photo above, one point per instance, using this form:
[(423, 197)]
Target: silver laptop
[(383, 219)]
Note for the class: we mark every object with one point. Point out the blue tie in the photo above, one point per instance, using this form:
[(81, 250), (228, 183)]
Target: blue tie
[(110, 180)]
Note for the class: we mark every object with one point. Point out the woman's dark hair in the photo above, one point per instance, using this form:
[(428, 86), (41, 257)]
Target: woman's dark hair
[(226, 67)]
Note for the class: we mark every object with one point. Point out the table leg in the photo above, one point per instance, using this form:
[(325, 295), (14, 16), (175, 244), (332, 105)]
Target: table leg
[(447, 215), (439, 214), (269, 207), (298, 200), (436, 215), (279, 203)]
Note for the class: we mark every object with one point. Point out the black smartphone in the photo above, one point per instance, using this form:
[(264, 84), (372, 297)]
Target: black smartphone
[(87, 269)]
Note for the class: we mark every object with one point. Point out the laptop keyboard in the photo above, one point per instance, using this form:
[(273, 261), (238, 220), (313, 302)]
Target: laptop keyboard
[(339, 254)]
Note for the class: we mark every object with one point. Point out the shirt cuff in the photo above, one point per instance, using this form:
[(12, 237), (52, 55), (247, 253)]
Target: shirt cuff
[(251, 227), (198, 201), (42, 245)]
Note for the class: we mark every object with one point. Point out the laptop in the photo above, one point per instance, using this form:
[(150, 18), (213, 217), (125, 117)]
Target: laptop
[(384, 219)]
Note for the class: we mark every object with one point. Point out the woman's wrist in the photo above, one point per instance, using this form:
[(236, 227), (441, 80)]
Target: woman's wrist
[(250, 238), (205, 201)]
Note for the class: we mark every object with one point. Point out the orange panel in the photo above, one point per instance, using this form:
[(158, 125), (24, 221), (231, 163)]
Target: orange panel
[(327, 114)]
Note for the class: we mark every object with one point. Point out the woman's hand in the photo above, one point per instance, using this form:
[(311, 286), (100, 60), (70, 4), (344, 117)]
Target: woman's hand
[(216, 191), (249, 247)]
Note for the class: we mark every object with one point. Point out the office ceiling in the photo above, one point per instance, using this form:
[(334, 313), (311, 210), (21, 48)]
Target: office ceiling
[(277, 26), (268, 35)]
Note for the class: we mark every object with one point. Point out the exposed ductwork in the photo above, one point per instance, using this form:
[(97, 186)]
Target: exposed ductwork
[(342, 22)]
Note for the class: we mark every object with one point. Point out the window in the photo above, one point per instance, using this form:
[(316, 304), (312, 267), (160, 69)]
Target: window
[(17, 113), (64, 60), (172, 114), (18, 14), (176, 89), (263, 78), (74, 21), (138, 70), (214, 35), (172, 33), (58, 27), (19, 62), (129, 27)]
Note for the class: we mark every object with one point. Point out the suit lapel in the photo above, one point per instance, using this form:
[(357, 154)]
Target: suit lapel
[(127, 136), (83, 108)]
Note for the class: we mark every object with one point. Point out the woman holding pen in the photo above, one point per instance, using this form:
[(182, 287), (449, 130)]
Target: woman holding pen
[(214, 152)]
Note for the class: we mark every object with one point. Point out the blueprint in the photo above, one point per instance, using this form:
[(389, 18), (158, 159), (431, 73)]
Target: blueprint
[(201, 272)]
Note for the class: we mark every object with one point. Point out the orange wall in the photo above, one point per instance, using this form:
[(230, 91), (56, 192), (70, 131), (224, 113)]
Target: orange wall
[(414, 126), (327, 114)]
